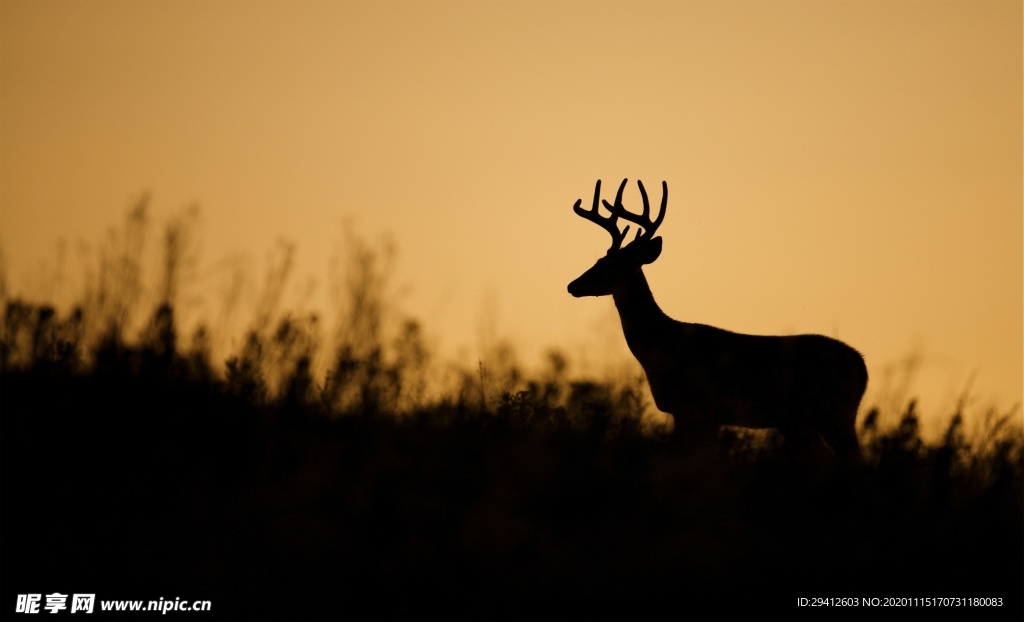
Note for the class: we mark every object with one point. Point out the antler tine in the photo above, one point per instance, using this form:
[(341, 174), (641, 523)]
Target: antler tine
[(609, 224), (642, 221), (648, 233)]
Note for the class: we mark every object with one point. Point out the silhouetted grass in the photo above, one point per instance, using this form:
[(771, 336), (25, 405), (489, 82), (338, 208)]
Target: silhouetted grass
[(137, 467)]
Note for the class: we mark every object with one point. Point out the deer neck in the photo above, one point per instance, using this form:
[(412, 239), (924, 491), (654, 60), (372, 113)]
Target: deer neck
[(641, 317)]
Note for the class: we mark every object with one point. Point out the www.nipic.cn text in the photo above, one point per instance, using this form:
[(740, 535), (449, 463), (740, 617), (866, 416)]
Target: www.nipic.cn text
[(86, 603)]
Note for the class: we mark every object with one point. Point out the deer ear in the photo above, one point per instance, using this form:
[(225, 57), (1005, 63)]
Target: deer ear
[(651, 250)]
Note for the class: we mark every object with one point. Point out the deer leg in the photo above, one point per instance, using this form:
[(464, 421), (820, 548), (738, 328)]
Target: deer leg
[(842, 440), (694, 434), (802, 443)]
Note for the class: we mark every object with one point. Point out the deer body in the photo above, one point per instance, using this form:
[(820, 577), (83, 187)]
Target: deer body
[(803, 385)]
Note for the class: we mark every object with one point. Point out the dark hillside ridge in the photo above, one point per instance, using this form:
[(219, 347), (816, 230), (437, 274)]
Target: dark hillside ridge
[(144, 480)]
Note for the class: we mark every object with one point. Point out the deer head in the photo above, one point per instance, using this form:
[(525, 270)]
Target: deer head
[(613, 271)]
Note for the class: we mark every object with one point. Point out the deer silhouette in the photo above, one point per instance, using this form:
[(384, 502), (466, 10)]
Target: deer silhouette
[(806, 386)]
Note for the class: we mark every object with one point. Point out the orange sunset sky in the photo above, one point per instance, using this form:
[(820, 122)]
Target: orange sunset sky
[(847, 168)]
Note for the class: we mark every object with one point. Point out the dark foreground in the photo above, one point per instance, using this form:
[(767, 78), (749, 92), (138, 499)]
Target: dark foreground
[(134, 486)]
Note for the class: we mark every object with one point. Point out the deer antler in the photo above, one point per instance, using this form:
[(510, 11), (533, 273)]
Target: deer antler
[(643, 221), (609, 224)]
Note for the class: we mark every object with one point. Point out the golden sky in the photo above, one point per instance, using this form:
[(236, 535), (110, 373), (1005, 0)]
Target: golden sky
[(847, 168)]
